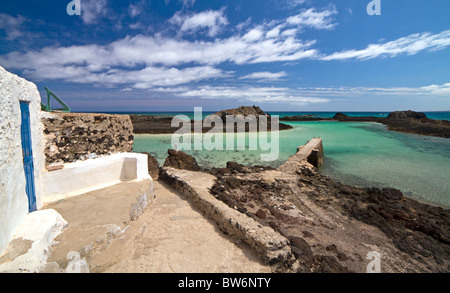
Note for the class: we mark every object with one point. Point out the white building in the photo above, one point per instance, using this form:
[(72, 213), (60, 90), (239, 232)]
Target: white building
[(25, 183), (21, 153)]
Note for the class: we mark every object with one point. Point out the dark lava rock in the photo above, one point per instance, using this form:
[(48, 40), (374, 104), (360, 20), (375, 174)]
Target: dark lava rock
[(261, 214), (331, 248), (340, 116), (247, 112), (181, 160), (406, 115), (328, 264), (301, 249), (153, 166), (232, 166)]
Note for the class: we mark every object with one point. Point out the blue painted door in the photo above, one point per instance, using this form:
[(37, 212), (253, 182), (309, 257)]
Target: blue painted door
[(28, 166)]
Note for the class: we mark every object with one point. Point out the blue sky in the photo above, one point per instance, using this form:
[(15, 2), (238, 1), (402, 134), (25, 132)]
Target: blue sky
[(283, 55)]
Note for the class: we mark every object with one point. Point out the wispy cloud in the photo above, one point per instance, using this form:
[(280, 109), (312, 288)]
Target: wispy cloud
[(92, 10), (186, 3), (409, 45), (211, 20), (264, 75), (11, 25), (136, 8), (313, 18), (253, 94), (295, 3), (430, 90)]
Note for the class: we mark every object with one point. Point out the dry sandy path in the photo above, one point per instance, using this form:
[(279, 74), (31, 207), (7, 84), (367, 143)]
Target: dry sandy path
[(172, 236)]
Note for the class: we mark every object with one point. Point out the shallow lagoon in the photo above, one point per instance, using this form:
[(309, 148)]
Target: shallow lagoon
[(363, 154)]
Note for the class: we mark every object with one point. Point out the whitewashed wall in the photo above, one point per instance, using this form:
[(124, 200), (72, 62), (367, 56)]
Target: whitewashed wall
[(13, 198)]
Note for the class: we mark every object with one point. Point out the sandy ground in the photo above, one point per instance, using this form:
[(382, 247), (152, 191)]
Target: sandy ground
[(171, 236)]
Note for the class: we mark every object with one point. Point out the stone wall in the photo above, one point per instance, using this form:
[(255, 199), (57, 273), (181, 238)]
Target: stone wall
[(310, 154), (79, 136)]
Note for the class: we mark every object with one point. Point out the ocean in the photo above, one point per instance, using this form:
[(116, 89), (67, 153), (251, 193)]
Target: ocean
[(356, 153), (441, 115)]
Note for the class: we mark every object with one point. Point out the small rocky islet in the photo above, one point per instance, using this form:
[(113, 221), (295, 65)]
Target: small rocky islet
[(402, 121)]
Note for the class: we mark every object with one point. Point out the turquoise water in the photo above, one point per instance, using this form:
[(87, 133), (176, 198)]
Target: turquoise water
[(362, 154), (442, 115)]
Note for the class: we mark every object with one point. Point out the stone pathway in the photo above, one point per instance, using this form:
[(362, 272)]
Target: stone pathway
[(171, 236)]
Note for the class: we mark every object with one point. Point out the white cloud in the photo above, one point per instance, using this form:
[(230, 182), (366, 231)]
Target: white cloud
[(431, 90), (265, 75), (91, 10), (313, 18), (243, 25), (137, 8), (275, 32), (253, 94), (438, 89), (212, 20), (140, 50), (253, 35), (143, 61), (409, 45), (186, 3), (146, 78), (11, 25), (295, 3)]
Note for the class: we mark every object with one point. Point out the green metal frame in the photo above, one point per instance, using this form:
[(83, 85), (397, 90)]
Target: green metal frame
[(50, 94)]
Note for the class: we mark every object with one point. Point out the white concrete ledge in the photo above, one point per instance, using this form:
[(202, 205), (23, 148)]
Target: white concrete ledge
[(85, 176), (31, 245)]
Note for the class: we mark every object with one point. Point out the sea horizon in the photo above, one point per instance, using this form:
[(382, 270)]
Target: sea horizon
[(437, 115)]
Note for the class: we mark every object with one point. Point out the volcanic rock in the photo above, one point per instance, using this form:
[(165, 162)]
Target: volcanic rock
[(406, 115), (181, 160)]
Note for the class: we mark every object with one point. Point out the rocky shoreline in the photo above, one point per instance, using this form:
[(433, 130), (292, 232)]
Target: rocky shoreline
[(402, 121), (328, 226), (145, 124)]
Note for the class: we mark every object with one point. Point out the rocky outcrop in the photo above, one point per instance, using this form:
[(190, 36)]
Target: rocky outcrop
[(181, 160), (404, 121), (77, 136), (163, 125), (343, 117), (305, 117), (152, 124), (242, 110), (248, 112), (340, 116), (417, 123), (153, 166), (406, 115)]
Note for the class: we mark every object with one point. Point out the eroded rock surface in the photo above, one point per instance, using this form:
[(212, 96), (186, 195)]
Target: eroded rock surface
[(77, 136), (181, 160), (332, 227)]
